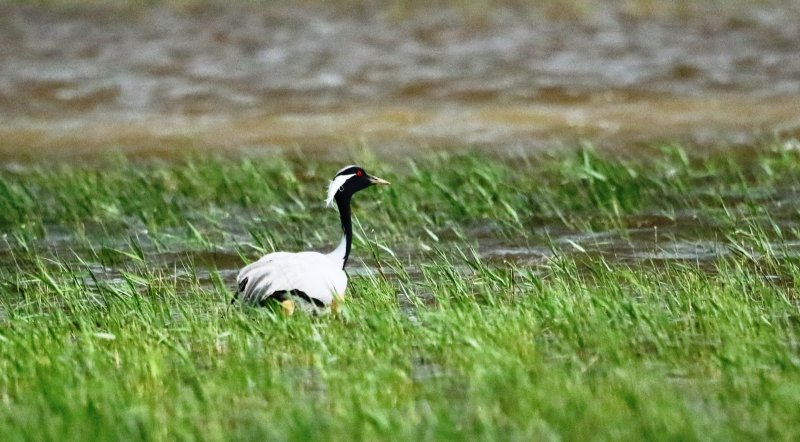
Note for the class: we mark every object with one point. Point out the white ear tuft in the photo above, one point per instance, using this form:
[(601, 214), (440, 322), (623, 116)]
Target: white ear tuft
[(334, 186)]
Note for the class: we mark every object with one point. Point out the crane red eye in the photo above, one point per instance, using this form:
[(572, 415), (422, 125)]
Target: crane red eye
[(359, 173)]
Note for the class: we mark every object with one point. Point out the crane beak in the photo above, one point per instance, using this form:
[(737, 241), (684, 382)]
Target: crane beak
[(376, 180)]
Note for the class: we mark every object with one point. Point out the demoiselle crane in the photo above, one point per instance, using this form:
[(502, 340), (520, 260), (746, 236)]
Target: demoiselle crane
[(312, 280)]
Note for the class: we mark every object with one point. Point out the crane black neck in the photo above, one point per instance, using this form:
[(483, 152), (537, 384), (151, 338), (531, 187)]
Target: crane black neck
[(343, 203)]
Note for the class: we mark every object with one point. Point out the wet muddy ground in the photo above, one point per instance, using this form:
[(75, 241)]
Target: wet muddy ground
[(77, 78)]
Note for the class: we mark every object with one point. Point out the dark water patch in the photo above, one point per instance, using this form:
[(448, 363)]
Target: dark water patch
[(517, 255), (699, 238), (216, 259), (235, 55)]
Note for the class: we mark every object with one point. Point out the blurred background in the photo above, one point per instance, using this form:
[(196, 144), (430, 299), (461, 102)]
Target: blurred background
[(80, 77)]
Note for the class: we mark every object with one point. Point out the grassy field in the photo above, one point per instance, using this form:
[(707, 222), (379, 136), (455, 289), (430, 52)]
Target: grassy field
[(527, 298)]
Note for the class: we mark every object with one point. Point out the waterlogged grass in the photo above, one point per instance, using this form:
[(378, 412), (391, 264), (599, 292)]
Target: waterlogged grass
[(115, 320)]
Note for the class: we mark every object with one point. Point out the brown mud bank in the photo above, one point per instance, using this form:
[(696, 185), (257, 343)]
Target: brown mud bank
[(703, 122)]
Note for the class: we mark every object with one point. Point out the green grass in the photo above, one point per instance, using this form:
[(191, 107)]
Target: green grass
[(115, 320)]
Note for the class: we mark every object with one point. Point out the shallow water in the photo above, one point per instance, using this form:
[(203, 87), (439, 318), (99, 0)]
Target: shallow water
[(641, 240), (77, 80)]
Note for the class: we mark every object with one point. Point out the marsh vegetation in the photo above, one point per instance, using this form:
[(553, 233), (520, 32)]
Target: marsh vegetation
[(565, 295)]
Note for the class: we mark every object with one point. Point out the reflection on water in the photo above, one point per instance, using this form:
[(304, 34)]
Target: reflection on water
[(249, 74)]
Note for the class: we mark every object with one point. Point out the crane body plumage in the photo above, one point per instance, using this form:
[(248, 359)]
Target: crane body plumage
[(313, 279), (317, 276)]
